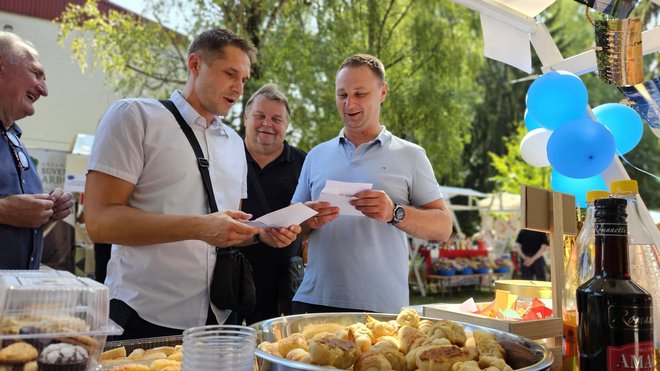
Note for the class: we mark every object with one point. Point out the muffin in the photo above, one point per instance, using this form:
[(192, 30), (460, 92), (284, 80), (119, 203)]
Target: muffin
[(63, 357)]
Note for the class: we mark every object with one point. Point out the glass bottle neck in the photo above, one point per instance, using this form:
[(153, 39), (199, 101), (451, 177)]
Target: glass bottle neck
[(613, 254)]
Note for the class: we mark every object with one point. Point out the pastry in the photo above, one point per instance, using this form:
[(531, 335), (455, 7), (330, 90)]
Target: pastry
[(114, 353), (293, 341), (30, 366), (299, 355), (372, 361), (160, 364), (487, 345), (441, 358), (360, 334), (408, 317), (130, 367), (18, 353), (63, 357), (332, 351), (466, 366)]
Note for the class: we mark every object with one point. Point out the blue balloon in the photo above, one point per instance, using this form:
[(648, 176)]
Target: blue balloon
[(556, 98), (530, 122), (624, 123), (581, 148), (576, 187)]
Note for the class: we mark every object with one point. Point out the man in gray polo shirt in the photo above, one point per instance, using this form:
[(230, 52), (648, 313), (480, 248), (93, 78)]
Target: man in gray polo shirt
[(360, 263)]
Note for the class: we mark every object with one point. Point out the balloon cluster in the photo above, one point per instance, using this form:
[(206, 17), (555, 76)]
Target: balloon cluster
[(564, 135)]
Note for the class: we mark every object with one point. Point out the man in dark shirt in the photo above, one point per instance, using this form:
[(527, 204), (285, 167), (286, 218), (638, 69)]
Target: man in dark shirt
[(24, 208), (275, 166), (531, 245)]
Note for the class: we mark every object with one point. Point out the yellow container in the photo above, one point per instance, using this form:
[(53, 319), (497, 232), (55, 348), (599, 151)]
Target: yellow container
[(526, 288)]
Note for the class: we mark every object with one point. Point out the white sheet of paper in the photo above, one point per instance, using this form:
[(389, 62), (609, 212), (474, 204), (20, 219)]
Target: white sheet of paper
[(529, 8), (506, 44), (340, 193), (284, 217)]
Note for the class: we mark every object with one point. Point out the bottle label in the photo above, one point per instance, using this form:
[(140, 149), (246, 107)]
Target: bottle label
[(611, 229), (629, 318), (633, 356)]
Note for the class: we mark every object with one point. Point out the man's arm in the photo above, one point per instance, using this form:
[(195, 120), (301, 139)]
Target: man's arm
[(539, 254), (109, 218), (431, 221)]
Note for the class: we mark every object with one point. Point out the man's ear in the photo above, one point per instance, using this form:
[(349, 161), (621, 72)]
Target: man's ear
[(383, 92), (194, 63)]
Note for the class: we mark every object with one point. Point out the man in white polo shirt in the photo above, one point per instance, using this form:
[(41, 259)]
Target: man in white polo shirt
[(361, 262), (144, 194)]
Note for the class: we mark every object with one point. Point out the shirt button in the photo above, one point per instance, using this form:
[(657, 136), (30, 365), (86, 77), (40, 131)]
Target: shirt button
[(31, 259), (35, 232)]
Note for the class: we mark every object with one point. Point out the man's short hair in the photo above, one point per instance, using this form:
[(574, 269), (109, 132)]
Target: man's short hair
[(358, 60), (212, 44), (270, 92), (13, 46)]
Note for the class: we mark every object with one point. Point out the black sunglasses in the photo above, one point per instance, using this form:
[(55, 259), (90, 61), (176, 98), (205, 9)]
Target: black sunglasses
[(19, 153)]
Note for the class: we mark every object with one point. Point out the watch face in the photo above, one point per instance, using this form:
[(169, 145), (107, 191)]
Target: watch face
[(399, 213)]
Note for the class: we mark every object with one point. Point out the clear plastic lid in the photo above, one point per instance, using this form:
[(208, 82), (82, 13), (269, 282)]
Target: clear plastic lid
[(52, 302)]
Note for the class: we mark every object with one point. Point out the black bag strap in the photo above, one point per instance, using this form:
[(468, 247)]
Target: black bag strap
[(258, 189), (202, 162)]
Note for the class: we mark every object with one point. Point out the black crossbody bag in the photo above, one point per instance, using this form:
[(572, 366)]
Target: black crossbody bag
[(232, 285), (295, 265)]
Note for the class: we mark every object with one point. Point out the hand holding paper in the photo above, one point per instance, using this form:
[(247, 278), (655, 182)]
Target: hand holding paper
[(341, 193), (282, 218)]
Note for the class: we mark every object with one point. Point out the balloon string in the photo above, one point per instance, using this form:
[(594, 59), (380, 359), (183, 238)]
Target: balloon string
[(641, 170)]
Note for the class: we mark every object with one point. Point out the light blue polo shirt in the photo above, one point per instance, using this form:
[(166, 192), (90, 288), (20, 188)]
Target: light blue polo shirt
[(354, 261)]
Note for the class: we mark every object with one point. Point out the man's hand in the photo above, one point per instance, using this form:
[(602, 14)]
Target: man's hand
[(326, 214), (226, 228), (280, 237), (63, 204), (26, 210), (374, 204)]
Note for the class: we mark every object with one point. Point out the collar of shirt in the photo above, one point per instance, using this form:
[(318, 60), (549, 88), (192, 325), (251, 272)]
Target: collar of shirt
[(14, 128), (383, 137), (192, 116), (285, 156)]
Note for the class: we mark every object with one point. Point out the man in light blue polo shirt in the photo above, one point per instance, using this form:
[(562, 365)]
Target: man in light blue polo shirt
[(360, 263)]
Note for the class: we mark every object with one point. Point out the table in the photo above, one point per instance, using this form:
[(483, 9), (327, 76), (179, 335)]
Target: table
[(484, 280)]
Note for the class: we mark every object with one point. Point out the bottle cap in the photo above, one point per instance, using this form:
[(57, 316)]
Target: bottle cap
[(594, 195), (624, 186)]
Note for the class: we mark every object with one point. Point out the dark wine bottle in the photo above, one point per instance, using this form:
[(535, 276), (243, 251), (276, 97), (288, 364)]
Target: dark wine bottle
[(615, 315)]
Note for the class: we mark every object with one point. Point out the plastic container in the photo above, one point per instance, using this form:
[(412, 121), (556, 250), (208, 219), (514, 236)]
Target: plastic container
[(219, 347), (643, 254), (57, 314)]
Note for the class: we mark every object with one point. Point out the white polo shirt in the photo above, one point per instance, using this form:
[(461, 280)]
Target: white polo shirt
[(139, 141)]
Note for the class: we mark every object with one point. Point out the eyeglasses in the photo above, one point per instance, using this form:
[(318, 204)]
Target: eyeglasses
[(19, 153)]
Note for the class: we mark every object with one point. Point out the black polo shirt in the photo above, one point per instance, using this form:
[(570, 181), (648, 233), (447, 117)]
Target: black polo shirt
[(278, 180)]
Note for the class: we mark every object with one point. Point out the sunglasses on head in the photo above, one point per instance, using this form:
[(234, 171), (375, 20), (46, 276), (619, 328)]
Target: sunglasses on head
[(19, 153)]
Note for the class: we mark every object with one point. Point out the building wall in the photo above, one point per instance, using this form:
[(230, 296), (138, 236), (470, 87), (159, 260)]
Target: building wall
[(75, 102)]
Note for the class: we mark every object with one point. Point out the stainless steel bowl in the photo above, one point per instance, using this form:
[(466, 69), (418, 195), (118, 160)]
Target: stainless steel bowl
[(278, 328)]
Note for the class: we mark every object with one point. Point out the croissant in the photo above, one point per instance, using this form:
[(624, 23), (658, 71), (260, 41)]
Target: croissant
[(372, 361), (330, 350)]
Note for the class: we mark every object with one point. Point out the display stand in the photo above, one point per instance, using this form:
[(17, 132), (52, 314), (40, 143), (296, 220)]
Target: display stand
[(545, 211)]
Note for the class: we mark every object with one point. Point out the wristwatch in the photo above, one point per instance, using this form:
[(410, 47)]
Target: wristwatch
[(398, 213)]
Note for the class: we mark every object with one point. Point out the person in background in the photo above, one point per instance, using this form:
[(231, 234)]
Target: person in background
[(360, 263), (145, 195), (531, 246), (24, 207), (275, 166)]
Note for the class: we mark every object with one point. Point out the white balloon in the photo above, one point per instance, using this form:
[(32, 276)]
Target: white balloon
[(533, 147)]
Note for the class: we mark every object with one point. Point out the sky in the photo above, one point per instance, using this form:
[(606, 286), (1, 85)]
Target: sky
[(175, 22)]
